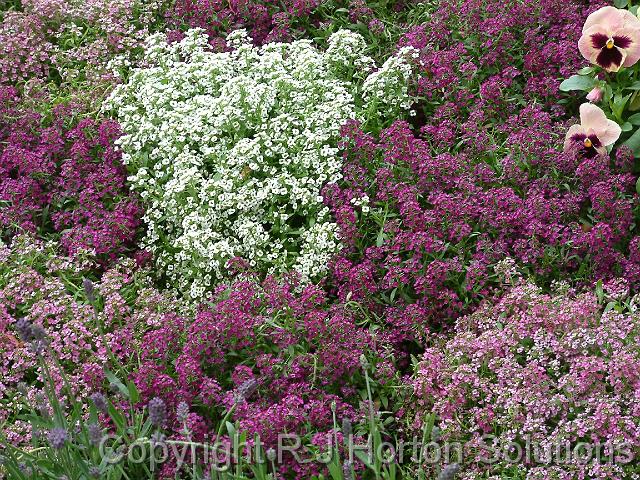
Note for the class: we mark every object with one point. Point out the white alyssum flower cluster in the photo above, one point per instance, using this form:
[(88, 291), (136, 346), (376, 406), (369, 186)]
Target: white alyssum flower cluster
[(229, 151), (347, 49), (387, 89)]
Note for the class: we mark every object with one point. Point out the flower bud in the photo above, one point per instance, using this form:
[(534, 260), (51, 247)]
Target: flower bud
[(182, 412), (89, 289), (100, 402), (58, 438), (595, 95), (271, 455)]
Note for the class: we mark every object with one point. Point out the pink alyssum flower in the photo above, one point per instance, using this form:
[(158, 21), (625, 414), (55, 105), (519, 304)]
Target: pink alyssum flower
[(35, 303), (548, 370)]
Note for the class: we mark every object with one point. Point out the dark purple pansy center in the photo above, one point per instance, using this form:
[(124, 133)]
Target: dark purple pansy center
[(590, 143), (609, 47)]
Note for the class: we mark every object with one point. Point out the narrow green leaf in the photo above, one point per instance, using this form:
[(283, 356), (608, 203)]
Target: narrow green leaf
[(364, 458), (634, 86)]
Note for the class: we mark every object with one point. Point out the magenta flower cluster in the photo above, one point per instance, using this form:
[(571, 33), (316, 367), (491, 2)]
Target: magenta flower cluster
[(282, 361), (265, 21), (268, 20), (63, 176), (484, 178), (482, 61), (439, 222)]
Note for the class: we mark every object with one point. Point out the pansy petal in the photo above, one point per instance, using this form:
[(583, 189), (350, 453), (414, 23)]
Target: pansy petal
[(611, 59), (632, 46), (593, 118), (610, 134), (573, 132), (609, 17), (588, 46), (630, 20)]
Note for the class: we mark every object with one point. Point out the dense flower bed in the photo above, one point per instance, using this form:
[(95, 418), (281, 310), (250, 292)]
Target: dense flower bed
[(38, 287), (282, 361), (69, 43), (435, 224), (337, 221), (550, 370)]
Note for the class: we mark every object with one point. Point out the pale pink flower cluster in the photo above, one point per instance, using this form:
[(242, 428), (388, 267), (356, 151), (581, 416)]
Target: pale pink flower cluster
[(542, 372)]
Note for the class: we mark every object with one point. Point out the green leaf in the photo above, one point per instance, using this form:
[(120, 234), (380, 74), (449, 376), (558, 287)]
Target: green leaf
[(634, 119), (620, 3), (638, 186), (633, 142), (113, 380), (586, 70), (364, 458), (619, 102), (635, 103), (134, 395), (609, 306), (230, 428), (627, 127), (334, 468), (577, 82), (392, 296)]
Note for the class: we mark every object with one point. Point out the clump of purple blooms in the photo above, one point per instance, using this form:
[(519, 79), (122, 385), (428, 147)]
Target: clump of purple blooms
[(436, 223), (279, 357), (64, 176), (265, 20), (477, 175)]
